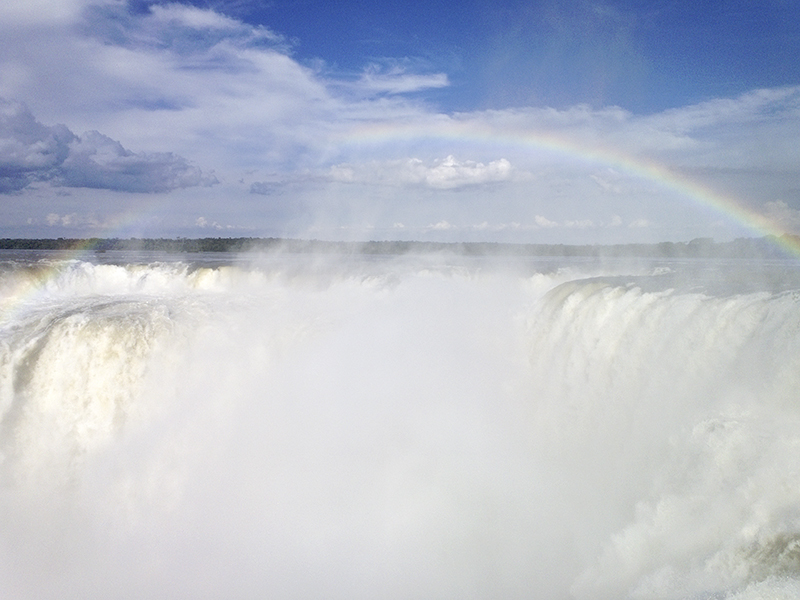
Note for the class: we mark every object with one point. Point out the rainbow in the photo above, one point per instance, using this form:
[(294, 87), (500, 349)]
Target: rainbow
[(453, 131), (29, 287)]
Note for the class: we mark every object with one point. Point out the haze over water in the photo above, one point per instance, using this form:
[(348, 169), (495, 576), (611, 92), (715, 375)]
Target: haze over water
[(295, 426)]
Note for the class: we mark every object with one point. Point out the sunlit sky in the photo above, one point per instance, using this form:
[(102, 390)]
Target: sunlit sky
[(572, 121)]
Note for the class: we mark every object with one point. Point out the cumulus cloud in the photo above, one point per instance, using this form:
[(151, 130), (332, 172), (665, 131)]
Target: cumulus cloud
[(31, 152), (97, 161), (451, 173), (443, 174), (28, 149), (544, 222), (441, 226), (203, 223)]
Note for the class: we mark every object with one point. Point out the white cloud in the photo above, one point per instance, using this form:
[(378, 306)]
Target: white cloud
[(346, 174), (544, 222), (486, 226), (757, 128), (203, 223), (639, 224), (74, 220), (193, 17), (756, 105), (398, 80), (447, 173), (180, 29), (451, 173), (442, 226), (580, 224)]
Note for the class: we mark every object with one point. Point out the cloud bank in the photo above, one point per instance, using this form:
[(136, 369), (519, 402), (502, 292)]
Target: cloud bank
[(31, 152)]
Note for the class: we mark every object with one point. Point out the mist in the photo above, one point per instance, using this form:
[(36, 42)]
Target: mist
[(370, 427)]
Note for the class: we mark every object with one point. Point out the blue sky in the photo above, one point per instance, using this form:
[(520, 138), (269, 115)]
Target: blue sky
[(645, 56), (576, 121)]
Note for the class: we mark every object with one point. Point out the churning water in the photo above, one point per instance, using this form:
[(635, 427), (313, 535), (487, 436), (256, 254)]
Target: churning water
[(411, 428)]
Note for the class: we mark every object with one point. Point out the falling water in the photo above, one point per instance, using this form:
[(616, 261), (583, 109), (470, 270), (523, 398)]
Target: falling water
[(423, 427)]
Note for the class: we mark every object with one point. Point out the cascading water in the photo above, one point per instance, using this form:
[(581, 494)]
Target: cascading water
[(420, 427)]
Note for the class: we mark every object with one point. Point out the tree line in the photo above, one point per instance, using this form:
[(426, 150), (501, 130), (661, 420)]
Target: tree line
[(765, 247)]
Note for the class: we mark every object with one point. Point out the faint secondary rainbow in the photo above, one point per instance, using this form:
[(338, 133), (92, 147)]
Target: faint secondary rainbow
[(455, 132), (27, 288)]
